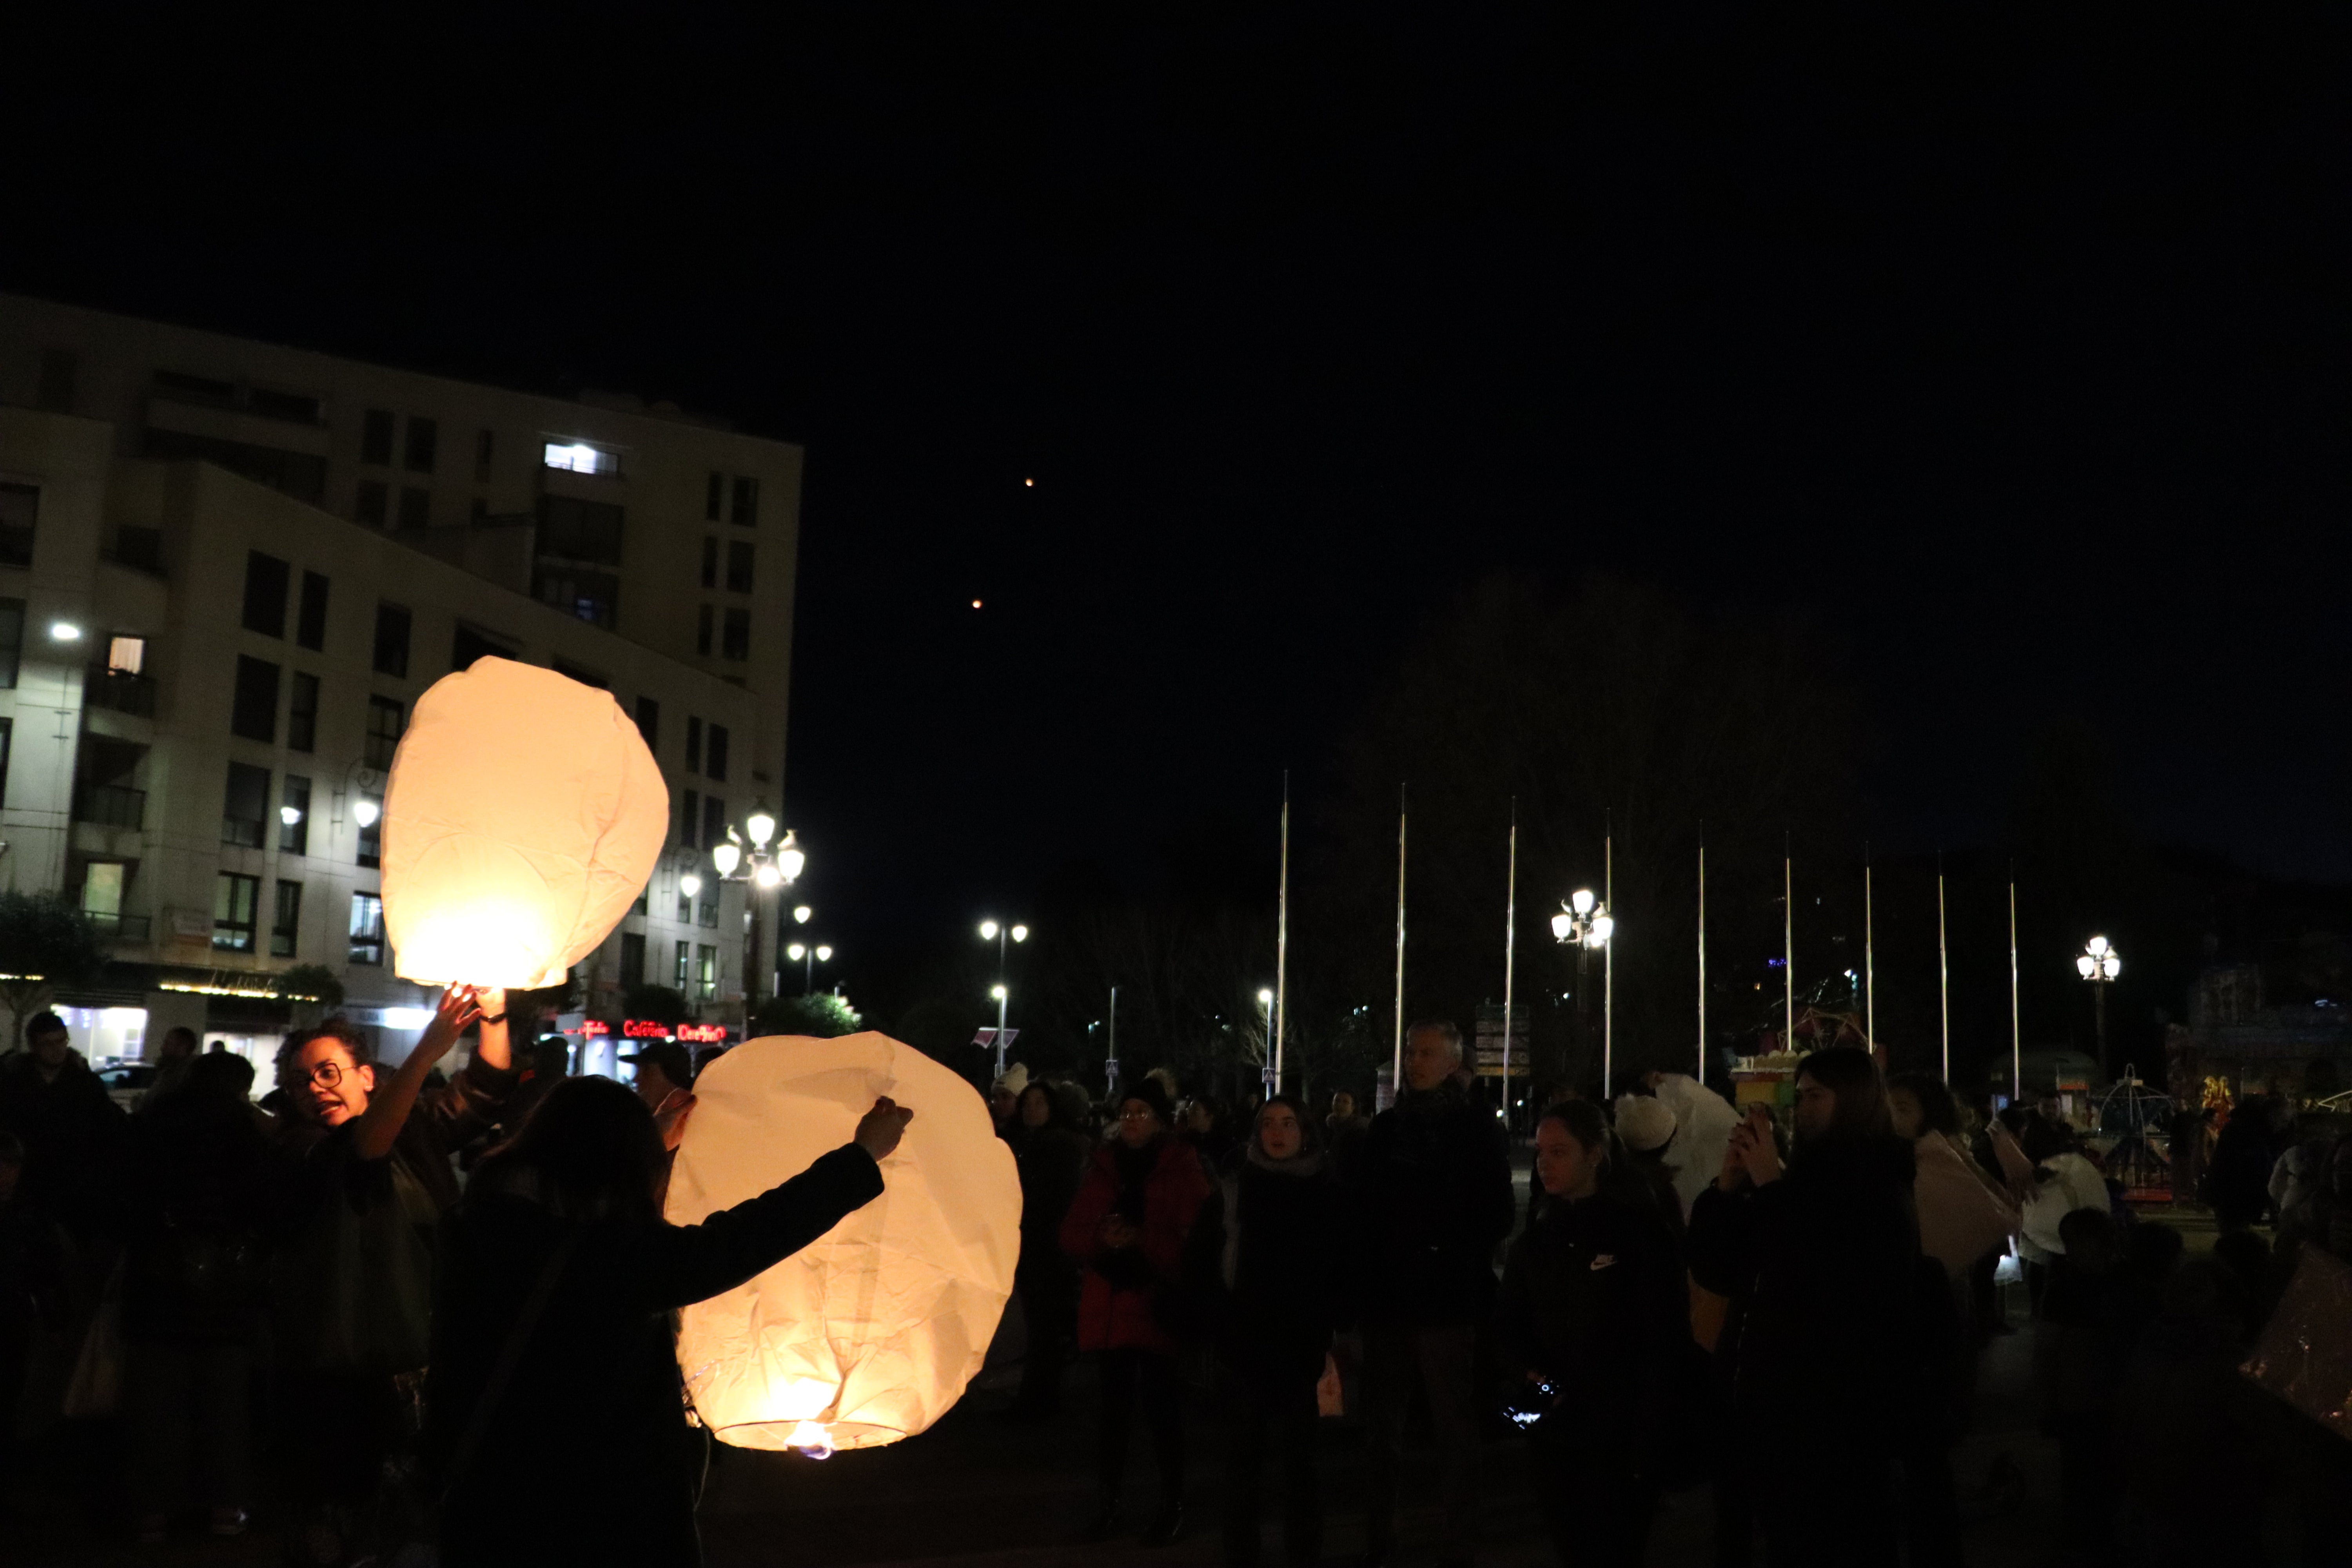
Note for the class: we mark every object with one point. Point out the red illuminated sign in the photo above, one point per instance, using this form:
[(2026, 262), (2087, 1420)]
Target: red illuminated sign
[(702, 1034), (590, 1027), (644, 1029)]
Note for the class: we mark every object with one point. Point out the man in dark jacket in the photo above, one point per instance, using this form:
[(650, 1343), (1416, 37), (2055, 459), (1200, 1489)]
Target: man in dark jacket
[(1434, 1189), (72, 1132)]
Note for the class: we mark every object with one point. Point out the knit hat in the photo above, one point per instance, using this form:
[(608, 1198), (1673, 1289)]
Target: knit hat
[(1643, 1123), (1015, 1078), (1150, 1092)]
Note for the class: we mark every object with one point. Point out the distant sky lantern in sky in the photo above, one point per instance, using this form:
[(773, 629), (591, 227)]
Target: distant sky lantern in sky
[(523, 818), (870, 1334)]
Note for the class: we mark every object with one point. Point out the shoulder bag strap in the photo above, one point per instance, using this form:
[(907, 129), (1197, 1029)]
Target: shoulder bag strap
[(509, 1356)]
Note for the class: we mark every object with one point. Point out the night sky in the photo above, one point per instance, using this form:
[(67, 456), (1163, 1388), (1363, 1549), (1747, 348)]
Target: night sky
[(2009, 346)]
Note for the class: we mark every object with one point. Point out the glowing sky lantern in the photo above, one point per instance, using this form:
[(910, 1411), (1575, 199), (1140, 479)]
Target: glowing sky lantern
[(870, 1334), (523, 818)]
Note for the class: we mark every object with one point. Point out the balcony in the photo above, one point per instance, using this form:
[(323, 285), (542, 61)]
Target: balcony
[(125, 693), (119, 926), (110, 806)]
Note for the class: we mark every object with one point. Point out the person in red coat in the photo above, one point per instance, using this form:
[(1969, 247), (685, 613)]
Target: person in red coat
[(1142, 1191)]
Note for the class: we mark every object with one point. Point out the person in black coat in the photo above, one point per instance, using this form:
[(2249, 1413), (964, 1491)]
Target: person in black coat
[(73, 1133), (2243, 1155), (1433, 1200), (1822, 1350), (1052, 1156), (1266, 1254), (1595, 1316), (580, 1452)]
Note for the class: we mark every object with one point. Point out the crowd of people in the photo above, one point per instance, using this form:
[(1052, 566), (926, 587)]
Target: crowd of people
[(388, 1273)]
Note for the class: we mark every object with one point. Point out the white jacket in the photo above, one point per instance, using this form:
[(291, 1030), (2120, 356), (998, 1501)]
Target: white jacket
[(1703, 1123), (2064, 1182)]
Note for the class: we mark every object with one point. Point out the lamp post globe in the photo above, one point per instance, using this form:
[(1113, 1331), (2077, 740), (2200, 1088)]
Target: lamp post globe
[(2099, 963), (761, 827), (726, 857)]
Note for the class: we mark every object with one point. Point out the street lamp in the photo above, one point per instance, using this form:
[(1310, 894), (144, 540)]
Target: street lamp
[(2099, 963), (1001, 994), (808, 958), (1266, 1000), (990, 930), (766, 870), (1586, 921)]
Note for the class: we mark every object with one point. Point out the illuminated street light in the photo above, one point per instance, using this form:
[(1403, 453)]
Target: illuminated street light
[(689, 884), (761, 827), (1586, 921), (289, 815), (64, 631), (990, 930), (766, 870), (767, 876), (1266, 1000), (2099, 963), (364, 812), (801, 913)]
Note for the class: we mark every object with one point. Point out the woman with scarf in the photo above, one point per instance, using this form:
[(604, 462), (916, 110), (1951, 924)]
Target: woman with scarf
[(1595, 1316), (1267, 1255), (1140, 1196)]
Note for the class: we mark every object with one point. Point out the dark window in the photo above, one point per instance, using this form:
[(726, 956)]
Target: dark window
[(469, 645), (702, 625), (485, 443), (298, 474), (577, 529), (12, 640), (706, 972), (287, 924), (196, 388), (299, 407), (416, 507), (55, 395), (710, 498), (710, 562), (253, 711), (738, 566), (234, 899), (714, 821), (747, 501), (374, 503), (693, 744), (302, 713), (591, 596), (391, 640), (714, 753), (266, 578), (649, 723), (632, 958), (685, 911), (417, 459), (310, 621), (20, 508), (735, 636), (367, 929), (294, 817), (685, 952), (371, 837), (140, 547), (7, 735), (375, 438), (384, 715), (571, 671), (710, 907), (245, 813), (689, 817)]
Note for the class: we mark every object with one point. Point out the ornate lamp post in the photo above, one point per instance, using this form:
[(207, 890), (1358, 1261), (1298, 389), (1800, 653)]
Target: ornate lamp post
[(1586, 921), (990, 930), (766, 870), (2099, 963)]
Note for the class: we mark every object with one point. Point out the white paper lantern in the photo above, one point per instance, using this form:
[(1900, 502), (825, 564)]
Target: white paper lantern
[(523, 818), (870, 1334)]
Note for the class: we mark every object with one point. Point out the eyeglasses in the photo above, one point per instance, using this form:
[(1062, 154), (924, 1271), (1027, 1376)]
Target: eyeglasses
[(326, 1075), (1138, 1115)]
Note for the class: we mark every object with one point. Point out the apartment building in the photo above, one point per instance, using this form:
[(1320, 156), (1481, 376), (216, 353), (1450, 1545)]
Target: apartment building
[(228, 569)]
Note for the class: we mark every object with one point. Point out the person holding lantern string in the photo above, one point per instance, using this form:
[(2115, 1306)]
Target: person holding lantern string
[(366, 1182)]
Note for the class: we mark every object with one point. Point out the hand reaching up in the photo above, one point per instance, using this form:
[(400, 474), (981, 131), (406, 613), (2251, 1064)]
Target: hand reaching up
[(878, 1130)]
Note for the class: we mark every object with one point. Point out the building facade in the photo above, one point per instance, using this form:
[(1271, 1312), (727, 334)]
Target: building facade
[(227, 571)]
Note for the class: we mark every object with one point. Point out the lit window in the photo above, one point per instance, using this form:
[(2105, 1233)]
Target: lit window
[(579, 457), (125, 656)]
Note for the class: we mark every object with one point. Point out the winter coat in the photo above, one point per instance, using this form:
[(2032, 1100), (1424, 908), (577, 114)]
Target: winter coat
[(587, 1456), (2066, 1183), (1051, 1160), (352, 1277), (2243, 1153), (1267, 1256), (1703, 1123), (1961, 1219), (1822, 1343), (73, 1138), (1121, 1287), (1594, 1300), (1434, 1197), (195, 1261)]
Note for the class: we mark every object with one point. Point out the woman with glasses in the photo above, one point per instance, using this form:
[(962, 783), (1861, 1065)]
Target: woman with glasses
[(367, 1185), (1142, 1192)]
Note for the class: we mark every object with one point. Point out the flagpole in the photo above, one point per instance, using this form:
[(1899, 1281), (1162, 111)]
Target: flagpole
[(2016, 1036), (1282, 937), (1396, 1066), (1943, 970), (1510, 953), (1609, 959), (1787, 946), (1702, 952)]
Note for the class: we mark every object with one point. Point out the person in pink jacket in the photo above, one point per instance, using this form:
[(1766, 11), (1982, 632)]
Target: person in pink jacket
[(1963, 1215)]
